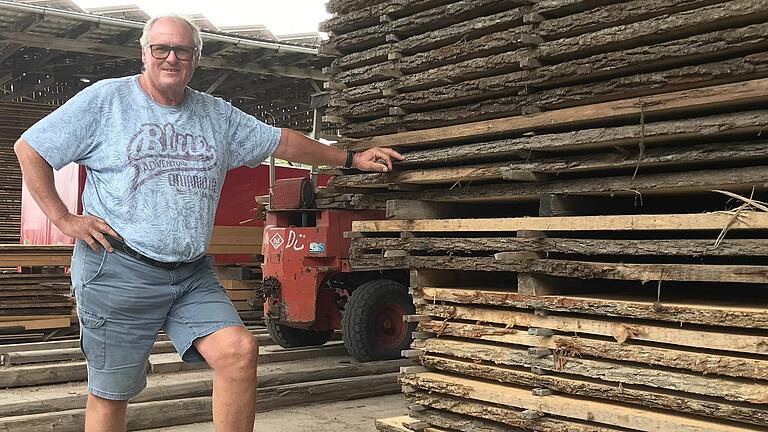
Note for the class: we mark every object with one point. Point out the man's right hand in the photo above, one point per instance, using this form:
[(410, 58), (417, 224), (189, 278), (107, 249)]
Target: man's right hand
[(90, 229)]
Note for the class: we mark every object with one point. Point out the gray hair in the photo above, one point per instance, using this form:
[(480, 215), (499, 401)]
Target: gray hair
[(195, 30)]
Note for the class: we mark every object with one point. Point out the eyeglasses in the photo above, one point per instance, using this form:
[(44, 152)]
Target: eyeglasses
[(161, 52)]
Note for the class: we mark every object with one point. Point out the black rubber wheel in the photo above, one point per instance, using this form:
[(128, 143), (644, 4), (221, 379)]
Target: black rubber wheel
[(373, 326), (289, 337)]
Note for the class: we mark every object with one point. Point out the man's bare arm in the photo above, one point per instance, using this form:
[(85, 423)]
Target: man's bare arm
[(295, 147), (38, 175)]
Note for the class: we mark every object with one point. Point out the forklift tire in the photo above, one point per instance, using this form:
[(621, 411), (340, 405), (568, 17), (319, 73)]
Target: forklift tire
[(290, 337), (373, 326)]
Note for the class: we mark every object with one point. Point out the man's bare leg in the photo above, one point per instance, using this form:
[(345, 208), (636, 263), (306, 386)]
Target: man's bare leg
[(232, 353), (104, 415)]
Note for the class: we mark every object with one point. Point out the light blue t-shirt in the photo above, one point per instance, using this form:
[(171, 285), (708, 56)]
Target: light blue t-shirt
[(154, 173)]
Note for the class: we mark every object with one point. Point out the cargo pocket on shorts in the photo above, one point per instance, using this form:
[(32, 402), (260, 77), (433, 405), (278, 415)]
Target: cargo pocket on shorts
[(93, 338)]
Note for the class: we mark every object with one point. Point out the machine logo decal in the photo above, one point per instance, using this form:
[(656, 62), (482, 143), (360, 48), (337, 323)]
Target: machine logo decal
[(276, 240), (295, 241), (316, 248)]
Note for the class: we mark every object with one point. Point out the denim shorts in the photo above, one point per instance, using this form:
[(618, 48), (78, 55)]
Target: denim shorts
[(122, 303)]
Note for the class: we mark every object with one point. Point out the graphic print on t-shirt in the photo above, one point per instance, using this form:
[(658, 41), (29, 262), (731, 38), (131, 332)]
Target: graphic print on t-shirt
[(156, 150)]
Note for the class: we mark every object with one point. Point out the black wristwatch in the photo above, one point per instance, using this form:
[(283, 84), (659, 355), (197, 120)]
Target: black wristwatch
[(350, 156)]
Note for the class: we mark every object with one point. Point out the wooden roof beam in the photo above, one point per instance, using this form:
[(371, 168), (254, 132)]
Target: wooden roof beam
[(280, 71), (262, 91), (255, 90), (77, 32), (69, 69), (224, 75), (214, 48), (25, 24), (232, 83), (63, 44)]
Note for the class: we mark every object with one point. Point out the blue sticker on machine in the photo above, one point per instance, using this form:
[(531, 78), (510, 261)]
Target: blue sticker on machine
[(316, 248)]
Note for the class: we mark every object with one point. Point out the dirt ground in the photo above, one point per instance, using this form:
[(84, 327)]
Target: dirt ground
[(357, 415)]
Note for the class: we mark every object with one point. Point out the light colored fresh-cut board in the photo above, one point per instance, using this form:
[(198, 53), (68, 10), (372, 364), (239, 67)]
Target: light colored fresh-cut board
[(229, 249), (242, 305), (231, 284), (236, 240), (399, 424), (56, 321), (393, 424), (6, 318), (635, 418), (240, 294), (618, 329), (493, 171), (681, 222), (33, 249), (237, 235), (34, 260)]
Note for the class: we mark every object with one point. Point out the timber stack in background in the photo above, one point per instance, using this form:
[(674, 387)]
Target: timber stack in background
[(17, 118), (35, 303), (239, 273), (581, 205)]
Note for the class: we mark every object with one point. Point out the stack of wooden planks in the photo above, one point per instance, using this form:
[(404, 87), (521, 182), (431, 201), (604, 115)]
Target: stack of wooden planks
[(406, 65), (241, 280), (562, 325), (244, 288), (43, 384), (236, 240), (15, 118), (35, 303), (582, 205), (38, 301)]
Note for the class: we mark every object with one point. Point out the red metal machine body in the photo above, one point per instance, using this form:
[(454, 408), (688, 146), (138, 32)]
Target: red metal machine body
[(302, 259), (310, 290)]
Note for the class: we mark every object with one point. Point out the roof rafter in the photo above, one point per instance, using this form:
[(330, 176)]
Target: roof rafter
[(75, 33), (27, 23), (64, 44)]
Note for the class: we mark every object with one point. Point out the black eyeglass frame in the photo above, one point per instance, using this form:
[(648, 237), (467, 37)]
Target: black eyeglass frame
[(173, 48)]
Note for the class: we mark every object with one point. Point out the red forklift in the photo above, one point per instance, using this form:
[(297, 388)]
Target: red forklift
[(309, 288)]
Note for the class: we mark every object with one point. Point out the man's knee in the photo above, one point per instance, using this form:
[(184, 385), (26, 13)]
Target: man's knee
[(105, 414), (232, 348), (106, 405)]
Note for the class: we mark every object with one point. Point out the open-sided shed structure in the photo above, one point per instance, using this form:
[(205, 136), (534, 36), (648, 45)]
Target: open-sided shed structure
[(47, 55)]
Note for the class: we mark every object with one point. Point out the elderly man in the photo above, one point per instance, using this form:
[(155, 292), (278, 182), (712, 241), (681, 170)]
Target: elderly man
[(156, 153)]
